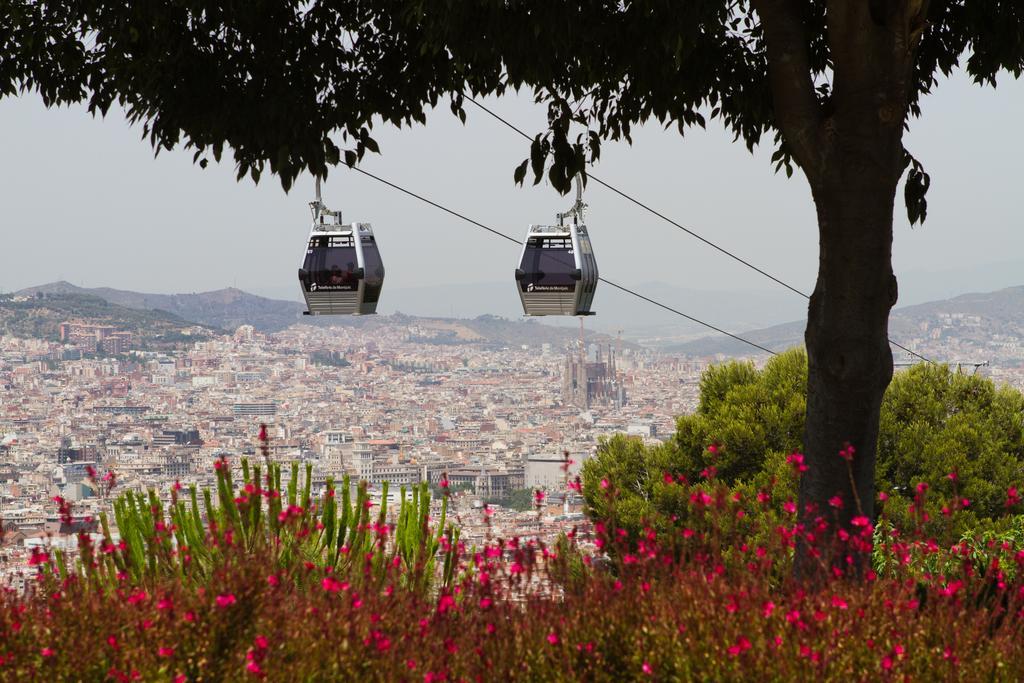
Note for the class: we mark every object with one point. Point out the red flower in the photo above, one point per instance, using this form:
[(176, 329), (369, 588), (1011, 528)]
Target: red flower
[(847, 452), (1012, 496), (797, 461), (333, 585), (226, 600)]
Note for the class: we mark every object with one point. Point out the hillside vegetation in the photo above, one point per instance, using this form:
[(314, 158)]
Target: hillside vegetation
[(40, 317)]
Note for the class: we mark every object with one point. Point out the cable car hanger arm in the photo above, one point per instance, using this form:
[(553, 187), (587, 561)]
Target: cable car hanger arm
[(577, 209)]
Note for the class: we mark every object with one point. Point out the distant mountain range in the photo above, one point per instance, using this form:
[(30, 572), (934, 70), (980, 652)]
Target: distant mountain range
[(226, 309), (974, 319), (616, 310)]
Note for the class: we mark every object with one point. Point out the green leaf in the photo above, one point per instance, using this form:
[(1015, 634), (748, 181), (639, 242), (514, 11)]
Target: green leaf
[(520, 173)]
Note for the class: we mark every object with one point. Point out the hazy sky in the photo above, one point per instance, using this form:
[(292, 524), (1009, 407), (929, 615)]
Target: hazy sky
[(84, 200)]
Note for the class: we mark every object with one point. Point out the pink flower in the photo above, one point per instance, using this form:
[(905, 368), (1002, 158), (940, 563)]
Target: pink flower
[(847, 452), (701, 498), (883, 496), (165, 651), (646, 667), (254, 668), (605, 484), (333, 585), (553, 638), (1012, 496), (261, 642), (742, 645), (226, 600), (790, 507), (713, 449), (273, 580), (47, 652), (836, 502), (797, 461), (445, 603)]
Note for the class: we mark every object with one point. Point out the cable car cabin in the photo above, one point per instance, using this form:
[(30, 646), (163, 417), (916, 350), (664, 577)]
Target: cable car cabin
[(342, 273), (557, 274)]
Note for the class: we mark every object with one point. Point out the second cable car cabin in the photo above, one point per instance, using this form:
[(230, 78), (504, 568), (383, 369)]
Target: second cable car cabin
[(342, 272), (557, 273)]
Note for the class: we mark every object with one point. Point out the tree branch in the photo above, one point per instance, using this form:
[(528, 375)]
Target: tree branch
[(796, 105)]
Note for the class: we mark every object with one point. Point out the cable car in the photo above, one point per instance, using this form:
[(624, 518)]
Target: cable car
[(557, 272), (341, 273)]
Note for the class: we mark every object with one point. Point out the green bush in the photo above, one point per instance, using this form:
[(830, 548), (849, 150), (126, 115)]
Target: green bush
[(960, 432)]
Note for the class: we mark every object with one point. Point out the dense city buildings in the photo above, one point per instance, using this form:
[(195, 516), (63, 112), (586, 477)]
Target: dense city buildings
[(402, 402), (398, 404)]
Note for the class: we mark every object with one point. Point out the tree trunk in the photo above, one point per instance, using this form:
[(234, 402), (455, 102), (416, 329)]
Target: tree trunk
[(849, 145), (849, 360)]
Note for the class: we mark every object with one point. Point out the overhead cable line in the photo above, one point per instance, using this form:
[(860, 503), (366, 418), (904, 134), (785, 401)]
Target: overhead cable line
[(608, 282), (663, 217), (668, 220)]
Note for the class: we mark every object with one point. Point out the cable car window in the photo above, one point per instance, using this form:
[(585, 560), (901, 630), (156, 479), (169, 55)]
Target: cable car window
[(373, 267), (331, 267), (548, 263)]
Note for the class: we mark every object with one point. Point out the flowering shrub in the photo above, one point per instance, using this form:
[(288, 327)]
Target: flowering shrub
[(706, 596), (934, 421)]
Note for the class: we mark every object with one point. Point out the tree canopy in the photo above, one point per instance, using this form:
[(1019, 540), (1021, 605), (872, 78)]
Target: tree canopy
[(280, 83), (960, 433)]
